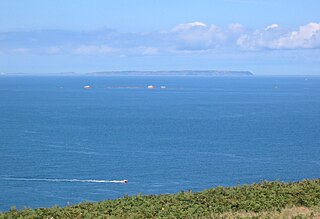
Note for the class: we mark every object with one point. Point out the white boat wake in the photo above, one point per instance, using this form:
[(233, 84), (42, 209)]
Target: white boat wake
[(64, 180)]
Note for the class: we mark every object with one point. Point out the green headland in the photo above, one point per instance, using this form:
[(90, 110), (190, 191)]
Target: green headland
[(261, 200)]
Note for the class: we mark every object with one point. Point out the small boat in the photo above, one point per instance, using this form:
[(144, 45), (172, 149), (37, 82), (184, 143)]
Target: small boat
[(151, 87), (163, 87), (87, 87)]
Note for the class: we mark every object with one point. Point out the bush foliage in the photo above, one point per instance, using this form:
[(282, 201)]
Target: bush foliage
[(255, 198)]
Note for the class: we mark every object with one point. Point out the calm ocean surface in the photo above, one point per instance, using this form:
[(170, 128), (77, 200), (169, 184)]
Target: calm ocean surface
[(200, 132)]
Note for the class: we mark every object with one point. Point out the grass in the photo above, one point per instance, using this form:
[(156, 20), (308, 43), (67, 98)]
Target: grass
[(260, 200), (293, 212)]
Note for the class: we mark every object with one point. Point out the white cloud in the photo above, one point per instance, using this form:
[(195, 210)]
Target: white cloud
[(195, 36), (146, 50), (94, 50), (236, 28), (307, 37), (188, 26), (273, 37), (272, 26)]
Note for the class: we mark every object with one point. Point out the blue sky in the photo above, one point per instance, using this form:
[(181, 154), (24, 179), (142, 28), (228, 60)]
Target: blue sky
[(274, 37)]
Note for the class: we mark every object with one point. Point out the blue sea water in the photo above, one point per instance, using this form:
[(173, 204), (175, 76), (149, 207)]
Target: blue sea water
[(200, 132)]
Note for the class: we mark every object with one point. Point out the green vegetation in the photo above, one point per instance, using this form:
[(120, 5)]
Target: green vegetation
[(262, 200)]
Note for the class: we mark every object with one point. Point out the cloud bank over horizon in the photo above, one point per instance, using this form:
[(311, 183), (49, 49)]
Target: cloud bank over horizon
[(269, 49), (186, 38)]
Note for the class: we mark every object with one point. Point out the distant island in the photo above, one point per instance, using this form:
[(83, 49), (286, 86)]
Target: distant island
[(173, 73)]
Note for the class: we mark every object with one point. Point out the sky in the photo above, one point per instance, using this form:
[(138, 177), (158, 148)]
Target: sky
[(274, 37)]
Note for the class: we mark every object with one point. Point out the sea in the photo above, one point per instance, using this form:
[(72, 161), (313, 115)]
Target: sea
[(61, 144)]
